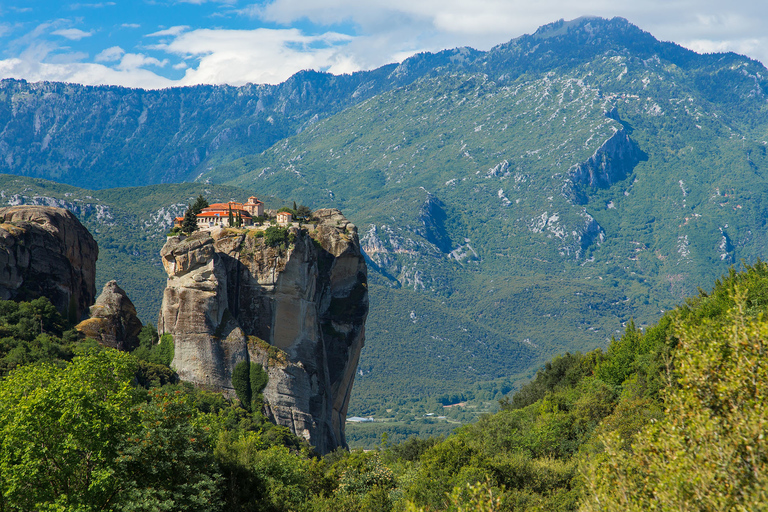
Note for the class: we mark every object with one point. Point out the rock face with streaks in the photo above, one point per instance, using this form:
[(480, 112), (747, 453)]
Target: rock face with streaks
[(45, 251), (113, 322), (295, 301)]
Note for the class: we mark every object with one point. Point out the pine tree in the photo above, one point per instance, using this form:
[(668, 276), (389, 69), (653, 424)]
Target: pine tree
[(189, 224)]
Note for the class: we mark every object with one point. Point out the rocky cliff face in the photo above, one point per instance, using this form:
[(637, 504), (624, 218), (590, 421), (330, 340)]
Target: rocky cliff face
[(612, 162), (298, 308), (45, 251), (113, 321)]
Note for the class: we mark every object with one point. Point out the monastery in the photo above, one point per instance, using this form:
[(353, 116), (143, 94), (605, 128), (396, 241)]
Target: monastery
[(218, 215)]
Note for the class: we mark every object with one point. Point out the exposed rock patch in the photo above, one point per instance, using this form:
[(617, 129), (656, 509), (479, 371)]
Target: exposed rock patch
[(46, 251), (113, 321), (298, 308), (613, 161)]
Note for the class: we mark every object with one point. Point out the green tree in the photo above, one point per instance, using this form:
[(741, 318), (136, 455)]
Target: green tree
[(153, 350), (249, 380), (709, 451), (189, 224), (241, 381), (303, 213), (168, 463), (60, 431), (274, 236), (83, 438)]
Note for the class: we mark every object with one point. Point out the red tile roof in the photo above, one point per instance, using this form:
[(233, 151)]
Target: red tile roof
[(244, 214)]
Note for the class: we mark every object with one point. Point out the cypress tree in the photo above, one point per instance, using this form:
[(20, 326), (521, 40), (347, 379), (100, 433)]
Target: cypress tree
[(241, 381)]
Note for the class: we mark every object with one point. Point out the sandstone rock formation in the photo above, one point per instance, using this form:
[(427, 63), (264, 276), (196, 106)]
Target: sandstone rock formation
[(298, 308), (45, 251), (113, 321)]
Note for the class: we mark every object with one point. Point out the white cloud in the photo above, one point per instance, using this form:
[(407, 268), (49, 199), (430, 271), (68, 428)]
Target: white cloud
[(81, 73), (400, 26), (91, 6), (220, 56), (173, 31), (259, 56), (5, 29), (111, 54), (200, 2), (130, 25), (384, 31), (74, 34), (135, 61)]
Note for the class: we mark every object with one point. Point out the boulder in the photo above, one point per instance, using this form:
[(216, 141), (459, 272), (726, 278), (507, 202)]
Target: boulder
[(46, 251), (113, 321)]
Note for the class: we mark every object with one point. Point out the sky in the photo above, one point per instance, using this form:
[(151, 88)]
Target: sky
[(165, 43)]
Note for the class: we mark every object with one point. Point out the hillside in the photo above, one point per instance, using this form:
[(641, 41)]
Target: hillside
[(670, 419), (540, 194), (107, 136), (129, 225), (513, 204)]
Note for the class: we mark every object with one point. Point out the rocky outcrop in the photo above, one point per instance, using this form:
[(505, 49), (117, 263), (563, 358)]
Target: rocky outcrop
[(114, 322), (45, 251), (297, 306), (613, 161)]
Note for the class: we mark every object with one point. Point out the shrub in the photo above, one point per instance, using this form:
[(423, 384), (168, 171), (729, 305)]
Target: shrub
[(249, 380), (274, 236), (708, 452), (241, 382)]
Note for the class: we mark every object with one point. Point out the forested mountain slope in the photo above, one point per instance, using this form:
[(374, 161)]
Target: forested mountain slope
[(513, 204), (544, 192), (108, 136), (671, 419)]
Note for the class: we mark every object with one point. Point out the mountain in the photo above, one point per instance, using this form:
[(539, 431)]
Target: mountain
[(106, 136), (540, 194), (512, 204)]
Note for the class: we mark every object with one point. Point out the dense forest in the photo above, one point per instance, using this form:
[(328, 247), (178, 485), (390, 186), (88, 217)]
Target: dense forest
[(671, 417)]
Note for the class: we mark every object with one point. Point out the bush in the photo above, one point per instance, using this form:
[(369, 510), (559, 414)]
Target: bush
[(241, 381), (274, 236), (153, 350), (249, 380), (708, 452)]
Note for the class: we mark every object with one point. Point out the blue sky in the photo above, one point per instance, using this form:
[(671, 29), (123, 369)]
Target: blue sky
[(163, 43)]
